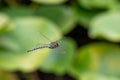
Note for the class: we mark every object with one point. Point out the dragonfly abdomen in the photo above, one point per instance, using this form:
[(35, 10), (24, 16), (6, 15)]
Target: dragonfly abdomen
[(39, 47)]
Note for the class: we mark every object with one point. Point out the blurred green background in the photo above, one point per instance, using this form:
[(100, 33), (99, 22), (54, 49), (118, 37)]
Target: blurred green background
[(88, 31)]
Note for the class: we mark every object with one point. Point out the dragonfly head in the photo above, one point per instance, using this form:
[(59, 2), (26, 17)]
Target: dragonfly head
[(53, 45)]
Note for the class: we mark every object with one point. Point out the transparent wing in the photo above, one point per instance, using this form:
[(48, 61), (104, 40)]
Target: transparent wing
[(60, 40), (45, 37), (42, 40), (38, 44)]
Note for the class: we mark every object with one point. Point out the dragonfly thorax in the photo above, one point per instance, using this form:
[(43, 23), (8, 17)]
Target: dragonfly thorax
[(53, 45)]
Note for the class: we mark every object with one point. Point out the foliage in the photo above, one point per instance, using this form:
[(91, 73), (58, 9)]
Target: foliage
[(21, 22)]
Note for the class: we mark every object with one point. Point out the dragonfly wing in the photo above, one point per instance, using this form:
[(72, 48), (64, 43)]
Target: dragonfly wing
[(45, 37), (39, 44)]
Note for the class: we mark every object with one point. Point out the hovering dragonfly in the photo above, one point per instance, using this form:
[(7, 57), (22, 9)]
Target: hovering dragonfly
[(51, 45)]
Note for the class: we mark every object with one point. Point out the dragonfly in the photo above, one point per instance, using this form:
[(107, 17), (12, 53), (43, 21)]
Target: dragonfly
[(51, 45)]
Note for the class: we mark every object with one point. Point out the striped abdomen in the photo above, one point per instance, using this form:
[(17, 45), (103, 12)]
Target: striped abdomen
[(39, 47)]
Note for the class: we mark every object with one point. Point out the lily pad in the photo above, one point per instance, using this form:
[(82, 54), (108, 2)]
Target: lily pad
[(107, 26), (49, 1), (22, 38), (62, 15), (59, 14), (4, 23), (19, 11), (84, 16), (7, 76), (97, 3), (98, 59)]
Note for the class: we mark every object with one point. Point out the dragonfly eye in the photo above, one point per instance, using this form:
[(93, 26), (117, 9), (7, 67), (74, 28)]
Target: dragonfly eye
[(53, 45), (49, 46), (57, 44)]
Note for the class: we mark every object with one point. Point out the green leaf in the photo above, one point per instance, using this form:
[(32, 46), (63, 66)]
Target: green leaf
[(84, 16), (61, 15), (60, 59), (107, 26), (49, 1), (13, 53), (94, 76), (4, 75), (8, 44), (5, 23), (97, 3), (19, 11), (98, 59)]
